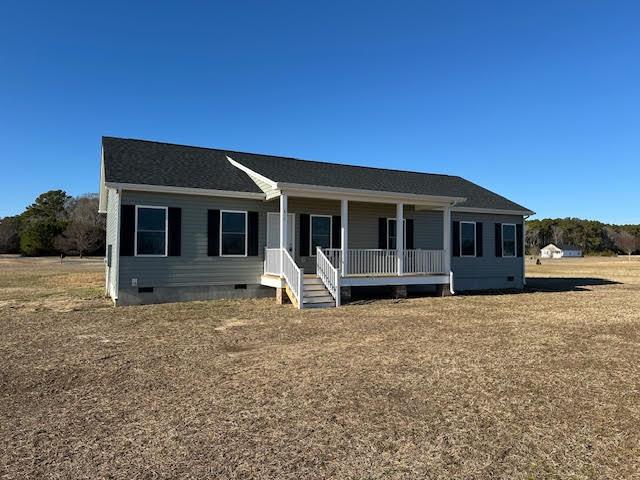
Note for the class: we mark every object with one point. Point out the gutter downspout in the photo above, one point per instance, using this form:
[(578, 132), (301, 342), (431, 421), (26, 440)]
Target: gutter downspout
[(451, 286), (524, 257), (116, 247)]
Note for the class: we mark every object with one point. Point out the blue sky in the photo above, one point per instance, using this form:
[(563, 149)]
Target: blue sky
[(538, 101)]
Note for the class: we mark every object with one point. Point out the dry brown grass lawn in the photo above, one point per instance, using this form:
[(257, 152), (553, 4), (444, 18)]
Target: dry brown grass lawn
[(544, 384)]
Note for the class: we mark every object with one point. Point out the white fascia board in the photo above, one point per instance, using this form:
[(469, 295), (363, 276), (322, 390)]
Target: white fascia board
[(185, 190), (355, 194), (251, 173), (102, 197), (492, 211), (273, 194)]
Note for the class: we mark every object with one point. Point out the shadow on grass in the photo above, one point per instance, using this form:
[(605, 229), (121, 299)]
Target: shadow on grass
[(565, 284), (366, 295), (548, 285)]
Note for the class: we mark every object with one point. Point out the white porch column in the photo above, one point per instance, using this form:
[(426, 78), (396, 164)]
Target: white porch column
[(344, 236), (400, 237), (446, 238), (283, 230)]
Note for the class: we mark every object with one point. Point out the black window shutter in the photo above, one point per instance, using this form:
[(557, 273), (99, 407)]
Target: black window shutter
[(304, 234), (175, 231), (336, 227), (127, 230), (498, 239), (409, 240), (519, 239), (252, 232), (382, 233), (479, 239), (455, 238), (213, 233)]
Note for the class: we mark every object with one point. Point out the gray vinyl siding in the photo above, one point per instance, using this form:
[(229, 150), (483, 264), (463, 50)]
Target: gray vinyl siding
[(488, 271), (428, 229), (194, 267), (363, 225), (113, 218)]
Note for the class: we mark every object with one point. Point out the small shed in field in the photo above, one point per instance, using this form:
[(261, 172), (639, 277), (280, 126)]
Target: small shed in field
[(554, 251)]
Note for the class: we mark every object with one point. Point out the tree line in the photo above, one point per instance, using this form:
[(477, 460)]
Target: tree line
[(55, 223), (593, 237)]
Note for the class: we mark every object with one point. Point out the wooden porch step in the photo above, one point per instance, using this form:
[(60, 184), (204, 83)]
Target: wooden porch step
[(313, 286), (319, 298), (316, 293), (331, 304), (312, 281)]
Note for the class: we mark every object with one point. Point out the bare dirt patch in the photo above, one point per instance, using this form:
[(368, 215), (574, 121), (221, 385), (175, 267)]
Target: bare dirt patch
[(542, 384)]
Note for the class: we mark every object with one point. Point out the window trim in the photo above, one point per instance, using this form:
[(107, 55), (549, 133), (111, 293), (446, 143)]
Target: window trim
[(404, 237), (246, 234), (312, 252), (166, 233), (515, 241), (475, 246)]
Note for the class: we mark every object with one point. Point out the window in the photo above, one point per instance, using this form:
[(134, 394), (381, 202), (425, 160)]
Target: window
[(320, 232), (467, 239), (508, 240), (151, 231), (233, 229), (391, 233)]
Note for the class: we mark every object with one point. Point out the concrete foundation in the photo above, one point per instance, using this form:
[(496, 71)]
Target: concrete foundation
[(474, 284), (132, 296), (443, 290), (399, 291), (345, 294)]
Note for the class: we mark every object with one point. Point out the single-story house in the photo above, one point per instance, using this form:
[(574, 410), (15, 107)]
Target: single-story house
[(187, 223), (553, 251)]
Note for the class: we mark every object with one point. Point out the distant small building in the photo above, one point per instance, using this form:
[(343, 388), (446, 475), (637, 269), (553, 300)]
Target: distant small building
[(553, 251)]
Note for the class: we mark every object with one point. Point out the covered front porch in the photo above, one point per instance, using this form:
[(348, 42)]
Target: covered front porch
[(416, 254)]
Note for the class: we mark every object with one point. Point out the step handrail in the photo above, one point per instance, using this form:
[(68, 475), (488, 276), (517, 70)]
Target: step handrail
[(294, 276), (329, 275)]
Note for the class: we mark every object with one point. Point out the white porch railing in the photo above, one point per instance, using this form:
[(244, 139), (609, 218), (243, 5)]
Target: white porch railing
[(272, 261), (362, 261), (329, 275), (293, 275), (384, 261), (423, 261), (333, 255)]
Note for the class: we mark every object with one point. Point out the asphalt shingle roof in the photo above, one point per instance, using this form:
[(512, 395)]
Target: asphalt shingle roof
[(154, 163)]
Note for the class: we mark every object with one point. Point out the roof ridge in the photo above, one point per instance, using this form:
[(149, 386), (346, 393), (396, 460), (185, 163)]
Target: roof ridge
[(323, 162)]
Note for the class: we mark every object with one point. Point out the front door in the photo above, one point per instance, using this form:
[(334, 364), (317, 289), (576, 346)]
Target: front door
[(273, 231)]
